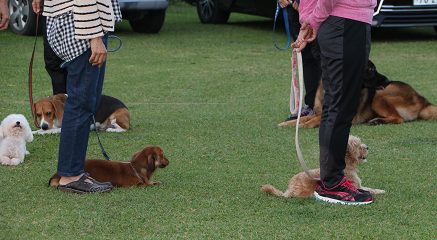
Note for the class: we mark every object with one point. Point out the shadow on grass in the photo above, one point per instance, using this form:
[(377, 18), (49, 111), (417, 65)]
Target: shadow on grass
[(404, 34), (378, 34), (260, 24)]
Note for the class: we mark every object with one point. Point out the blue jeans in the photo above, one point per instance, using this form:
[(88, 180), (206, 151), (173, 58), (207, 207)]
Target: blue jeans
[(84, 87)]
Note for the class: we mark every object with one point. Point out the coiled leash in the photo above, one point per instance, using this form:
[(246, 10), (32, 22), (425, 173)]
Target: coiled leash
[(63, 64), (295, 101), (119, 46), (287, 28)]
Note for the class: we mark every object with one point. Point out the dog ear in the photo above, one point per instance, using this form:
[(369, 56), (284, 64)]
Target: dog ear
[(29, 135), (151, 167), (59, 109), (352, 148)]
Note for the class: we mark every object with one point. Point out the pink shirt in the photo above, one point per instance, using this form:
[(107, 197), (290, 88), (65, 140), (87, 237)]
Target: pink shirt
[(317, 11)]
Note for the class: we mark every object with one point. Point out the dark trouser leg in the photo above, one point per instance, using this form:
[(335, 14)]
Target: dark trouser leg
[(52, 61), (343, 53), (84, 87)]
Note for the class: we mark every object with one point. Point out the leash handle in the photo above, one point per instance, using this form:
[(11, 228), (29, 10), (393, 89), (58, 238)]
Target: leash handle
[(119, 46), (65, 63), (287, 28), (299, 153), (30, 75), (294, 93)]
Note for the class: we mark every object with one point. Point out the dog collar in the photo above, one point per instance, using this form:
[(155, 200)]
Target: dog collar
[(138, 175)]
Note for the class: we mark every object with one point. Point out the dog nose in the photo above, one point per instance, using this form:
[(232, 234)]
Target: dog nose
[(17, 122), (367, 148), (44, 126)]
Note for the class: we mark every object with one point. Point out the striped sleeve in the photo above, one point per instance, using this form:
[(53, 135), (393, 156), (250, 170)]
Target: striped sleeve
[(92, 18), (56, 8)]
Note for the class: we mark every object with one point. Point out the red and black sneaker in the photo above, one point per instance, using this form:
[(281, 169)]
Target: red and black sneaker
[(343, 193)]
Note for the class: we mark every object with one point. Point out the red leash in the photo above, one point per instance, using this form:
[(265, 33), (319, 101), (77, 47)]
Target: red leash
[(30, 75)]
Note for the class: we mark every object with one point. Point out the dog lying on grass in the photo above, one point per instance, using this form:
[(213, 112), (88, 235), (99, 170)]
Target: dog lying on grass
[(138, 172), (112, 114), (382, 102), (301, 185)]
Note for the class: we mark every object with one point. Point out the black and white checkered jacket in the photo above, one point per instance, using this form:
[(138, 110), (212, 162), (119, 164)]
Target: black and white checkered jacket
[(72, 23)]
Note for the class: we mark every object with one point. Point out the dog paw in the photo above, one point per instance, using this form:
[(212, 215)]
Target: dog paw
[(284, 124), (115, 130), (157, 183), (49, 131), (376, 121), (8, 162)]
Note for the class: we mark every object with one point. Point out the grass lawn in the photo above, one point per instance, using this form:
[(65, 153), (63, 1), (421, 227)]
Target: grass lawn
[(211, 96)]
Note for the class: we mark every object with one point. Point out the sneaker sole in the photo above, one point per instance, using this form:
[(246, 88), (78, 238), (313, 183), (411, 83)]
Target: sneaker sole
[(331, 200)]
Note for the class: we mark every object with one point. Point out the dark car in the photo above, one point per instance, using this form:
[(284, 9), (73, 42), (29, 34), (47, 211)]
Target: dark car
[(388, 13), (146, 16)]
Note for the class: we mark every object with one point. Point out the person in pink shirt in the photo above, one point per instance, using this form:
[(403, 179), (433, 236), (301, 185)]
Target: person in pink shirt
[(342, 28)]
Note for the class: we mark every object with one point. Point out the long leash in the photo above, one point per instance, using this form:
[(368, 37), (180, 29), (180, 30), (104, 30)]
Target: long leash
[(295, 96), (287, 28), (295, 100), (32, 107), (30, 74)]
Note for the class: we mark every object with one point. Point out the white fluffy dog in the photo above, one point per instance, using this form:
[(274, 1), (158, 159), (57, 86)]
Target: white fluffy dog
[(14, 133)]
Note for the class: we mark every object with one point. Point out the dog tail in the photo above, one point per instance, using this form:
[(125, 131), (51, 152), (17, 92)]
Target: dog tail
[(270, 189), (429, 112), (54, 180)]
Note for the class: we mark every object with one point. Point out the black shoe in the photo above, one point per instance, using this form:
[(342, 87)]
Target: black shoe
[(82, 187), (96, 182), (343, 193), (306, 111)]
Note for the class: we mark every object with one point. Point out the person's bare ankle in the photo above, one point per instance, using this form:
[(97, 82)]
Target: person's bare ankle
[(65, 180)]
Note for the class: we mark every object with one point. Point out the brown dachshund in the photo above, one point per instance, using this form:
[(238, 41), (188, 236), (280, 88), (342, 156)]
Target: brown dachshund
[(138, 172)]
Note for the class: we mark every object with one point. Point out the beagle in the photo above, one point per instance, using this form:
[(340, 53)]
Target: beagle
[(137, 172), (112, 115)]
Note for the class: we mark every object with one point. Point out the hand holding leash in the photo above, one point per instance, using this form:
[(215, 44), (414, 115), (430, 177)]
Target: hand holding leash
[(306, 34), (36, 5)]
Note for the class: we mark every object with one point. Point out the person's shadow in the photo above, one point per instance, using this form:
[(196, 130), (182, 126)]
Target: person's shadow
[(401, 34)]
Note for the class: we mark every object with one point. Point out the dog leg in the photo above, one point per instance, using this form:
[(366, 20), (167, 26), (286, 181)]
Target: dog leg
[(16, 161), (5, 161), (429, 112), (386, 120), (114, 127)]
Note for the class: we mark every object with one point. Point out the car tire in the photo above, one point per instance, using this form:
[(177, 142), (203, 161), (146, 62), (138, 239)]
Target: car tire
[(23, 19), (209, 12), (151, 23)]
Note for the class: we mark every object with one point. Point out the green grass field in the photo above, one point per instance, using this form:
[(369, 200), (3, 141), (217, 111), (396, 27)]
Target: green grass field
[(211, 96)]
